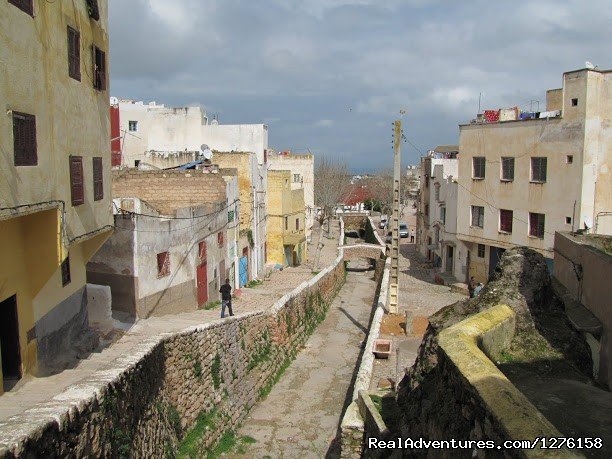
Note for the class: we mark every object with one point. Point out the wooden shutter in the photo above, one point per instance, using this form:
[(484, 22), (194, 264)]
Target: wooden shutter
[(74, 54), (98, 182), (99, 60), (24, 5), (76, 180), (24, 139)]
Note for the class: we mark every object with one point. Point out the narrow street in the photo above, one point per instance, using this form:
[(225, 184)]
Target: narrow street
[(300, 417)]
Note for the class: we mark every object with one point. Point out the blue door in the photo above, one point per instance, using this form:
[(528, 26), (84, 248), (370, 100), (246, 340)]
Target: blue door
[(243, 271)]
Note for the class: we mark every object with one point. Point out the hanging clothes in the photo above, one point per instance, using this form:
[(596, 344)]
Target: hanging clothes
[(491, 116)]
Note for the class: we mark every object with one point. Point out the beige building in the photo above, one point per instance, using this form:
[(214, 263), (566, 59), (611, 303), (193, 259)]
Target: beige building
[(55, 184), (169, 250), (524, 176), (302, 176), (286, 220)]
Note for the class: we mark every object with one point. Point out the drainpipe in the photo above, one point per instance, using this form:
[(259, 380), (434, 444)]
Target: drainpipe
[(255, 233)]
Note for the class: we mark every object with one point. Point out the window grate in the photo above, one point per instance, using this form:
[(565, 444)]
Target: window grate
[(507, 169), (478, 167), (536, 225), (538, 170), (24, 139), (478, 216)]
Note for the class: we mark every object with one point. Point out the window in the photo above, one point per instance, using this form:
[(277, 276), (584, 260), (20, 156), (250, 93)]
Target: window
[(74, 54), (24, 139), (230, 216), (568, 220), (297, 223), (478, 216), (220, 238), (133, 126), (569, 159), (538, 170), (426, 181), (202, 250), (99, 71), (66, 271), (574, 102), (76, 180), (437, 191), (286, 223), (478, 167), (505, 220), (297, 178), (98, 182), (24, 5), (481, 250), (536, 225), (437, 235), (507, 172), (163, 264), (443, 215), (426, 209)]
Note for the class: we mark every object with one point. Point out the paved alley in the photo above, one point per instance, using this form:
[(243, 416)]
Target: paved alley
[(300, 417)]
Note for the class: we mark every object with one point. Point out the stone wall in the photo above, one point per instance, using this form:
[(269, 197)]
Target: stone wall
[(180, 391)]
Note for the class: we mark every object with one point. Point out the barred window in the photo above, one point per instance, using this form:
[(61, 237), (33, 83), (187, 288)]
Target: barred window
[(536, 225), (481, 250), (478, 167), (538, 170), (507, 172), (478, 216)]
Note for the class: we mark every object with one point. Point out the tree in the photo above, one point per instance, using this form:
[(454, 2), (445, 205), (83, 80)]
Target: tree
[(381, 190), (331, 185)]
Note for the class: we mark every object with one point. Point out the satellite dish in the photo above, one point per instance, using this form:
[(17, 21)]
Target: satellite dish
[(588, 65), (206, 153)]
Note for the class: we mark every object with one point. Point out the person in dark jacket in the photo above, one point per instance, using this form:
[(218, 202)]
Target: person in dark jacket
[(471, 286), (226, 298)]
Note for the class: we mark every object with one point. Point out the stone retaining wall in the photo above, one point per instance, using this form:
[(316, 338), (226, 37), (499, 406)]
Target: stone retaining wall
[(183, 390)]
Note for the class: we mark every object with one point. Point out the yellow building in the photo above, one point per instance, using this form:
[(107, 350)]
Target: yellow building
[(55, 162), (524, 176), (286, 220)]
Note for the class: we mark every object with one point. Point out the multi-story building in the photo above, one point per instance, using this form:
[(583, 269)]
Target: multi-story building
[(524, 176), (55, 187), (169, 136), (233, 224), (446, 156), (302, 177), (169, 250), (252, 188), (286, 220), (438, 240)]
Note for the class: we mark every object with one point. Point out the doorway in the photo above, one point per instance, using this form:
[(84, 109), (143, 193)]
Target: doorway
[(495, 254), (202, 281), (450, 253), (9, 342)]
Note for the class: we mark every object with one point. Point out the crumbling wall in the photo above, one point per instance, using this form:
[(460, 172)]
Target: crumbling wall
[(436, 399)]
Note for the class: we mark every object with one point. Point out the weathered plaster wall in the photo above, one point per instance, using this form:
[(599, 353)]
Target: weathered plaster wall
[(209, 375)]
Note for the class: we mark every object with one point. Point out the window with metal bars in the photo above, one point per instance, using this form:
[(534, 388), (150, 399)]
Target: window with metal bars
[(538, 170), (74, 54), (163, 264), (507, 169), (478, 167), (98, 181), (505, 220), (481, 250), (24, 5), (536, 225), (77, 189), (99, 71), (478, 216), (24, 139)]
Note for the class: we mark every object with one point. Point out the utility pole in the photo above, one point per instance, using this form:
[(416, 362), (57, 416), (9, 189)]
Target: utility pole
[(394, 284)]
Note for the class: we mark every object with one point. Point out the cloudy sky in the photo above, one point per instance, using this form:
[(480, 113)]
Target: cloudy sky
[(330, 76)]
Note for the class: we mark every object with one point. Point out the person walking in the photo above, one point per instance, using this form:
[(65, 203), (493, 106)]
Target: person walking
[(226, 298), (471, 286), (412, 236)]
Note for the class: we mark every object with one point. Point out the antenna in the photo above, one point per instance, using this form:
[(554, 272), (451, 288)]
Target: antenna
[(206, 152)]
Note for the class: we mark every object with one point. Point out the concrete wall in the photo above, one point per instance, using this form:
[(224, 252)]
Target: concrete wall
[(304, 166), (207, 375), (585, 271)]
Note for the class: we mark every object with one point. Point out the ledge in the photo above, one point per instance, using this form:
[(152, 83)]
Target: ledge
[(470, 345)]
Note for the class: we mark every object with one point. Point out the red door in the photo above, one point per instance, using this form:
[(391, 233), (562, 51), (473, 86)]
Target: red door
[(202, 279)]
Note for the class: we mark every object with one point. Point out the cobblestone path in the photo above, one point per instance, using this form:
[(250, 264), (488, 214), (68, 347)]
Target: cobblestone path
[(300, 417)]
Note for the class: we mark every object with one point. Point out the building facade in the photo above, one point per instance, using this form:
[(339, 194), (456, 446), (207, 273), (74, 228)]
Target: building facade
[(169, 136), (169, 251), (302, 177), (55, 162), (286, 220), (524, 176)]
